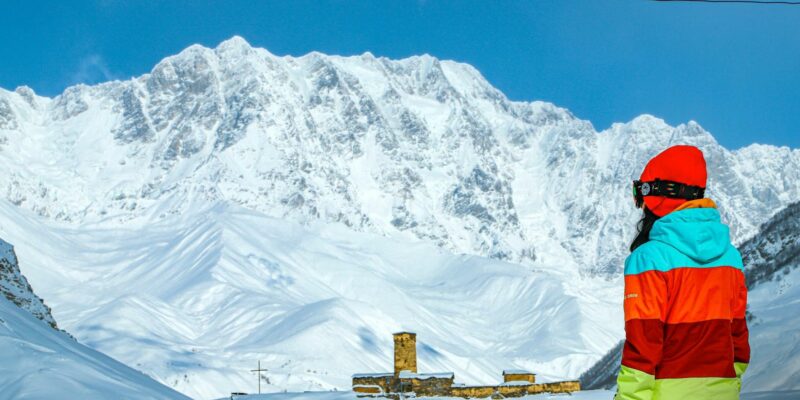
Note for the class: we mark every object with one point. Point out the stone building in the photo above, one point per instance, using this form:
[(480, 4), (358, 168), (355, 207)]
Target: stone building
[(405, 379), (518, 375)]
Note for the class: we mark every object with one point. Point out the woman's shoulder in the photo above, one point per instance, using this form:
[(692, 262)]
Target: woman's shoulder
[(650, 256), (659, 256)]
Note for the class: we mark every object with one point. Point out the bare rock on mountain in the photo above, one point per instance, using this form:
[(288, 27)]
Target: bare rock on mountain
[(16, 288), (774, 251)]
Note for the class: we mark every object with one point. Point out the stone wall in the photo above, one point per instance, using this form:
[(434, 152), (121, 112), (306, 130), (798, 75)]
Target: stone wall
[(555, 387), (512, 391), (476, 392), (373, 384), (431, 386), (501, 391)]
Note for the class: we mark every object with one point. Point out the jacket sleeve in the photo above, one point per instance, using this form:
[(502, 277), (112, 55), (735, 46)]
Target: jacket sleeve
[(645, 312), (741, 344)]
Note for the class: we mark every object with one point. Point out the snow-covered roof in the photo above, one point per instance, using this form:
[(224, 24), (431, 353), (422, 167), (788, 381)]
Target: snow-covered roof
[(435, 375), (517, 372), (373, 375)]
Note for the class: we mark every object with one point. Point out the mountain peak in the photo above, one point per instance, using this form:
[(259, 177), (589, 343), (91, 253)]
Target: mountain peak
[(27, 93), (235, 42), (649, 120)]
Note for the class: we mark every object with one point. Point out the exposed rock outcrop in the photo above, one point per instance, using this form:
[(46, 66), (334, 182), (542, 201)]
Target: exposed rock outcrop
[(16, 288)]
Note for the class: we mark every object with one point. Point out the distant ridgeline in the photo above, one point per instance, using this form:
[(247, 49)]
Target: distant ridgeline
[(405, 379)]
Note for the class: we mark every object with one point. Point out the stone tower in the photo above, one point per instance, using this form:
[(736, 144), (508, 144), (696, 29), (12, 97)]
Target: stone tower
[(405, 352)]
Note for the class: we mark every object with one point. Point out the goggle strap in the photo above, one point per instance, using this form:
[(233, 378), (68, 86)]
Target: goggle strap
[(670, 189)]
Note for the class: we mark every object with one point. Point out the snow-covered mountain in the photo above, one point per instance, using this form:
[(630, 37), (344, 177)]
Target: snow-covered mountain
[(233, 205), (416, 147)]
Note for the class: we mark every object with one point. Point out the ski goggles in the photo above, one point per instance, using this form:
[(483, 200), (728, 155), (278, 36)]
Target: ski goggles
[(670, 189)]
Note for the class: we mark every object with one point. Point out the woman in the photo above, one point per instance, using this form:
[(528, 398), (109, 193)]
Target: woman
[(685, 294)]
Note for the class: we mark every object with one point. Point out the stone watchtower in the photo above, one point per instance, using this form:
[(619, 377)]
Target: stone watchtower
[(405, 352)]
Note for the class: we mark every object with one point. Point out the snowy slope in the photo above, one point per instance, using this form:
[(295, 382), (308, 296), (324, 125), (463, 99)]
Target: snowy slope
[(38, 362), (233, 205), (774, 337)]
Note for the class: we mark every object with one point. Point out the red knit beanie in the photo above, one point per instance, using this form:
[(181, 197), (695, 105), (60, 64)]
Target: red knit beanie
[(683, 164)]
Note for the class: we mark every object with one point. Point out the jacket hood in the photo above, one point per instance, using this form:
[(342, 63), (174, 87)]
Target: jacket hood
[(698, 233)]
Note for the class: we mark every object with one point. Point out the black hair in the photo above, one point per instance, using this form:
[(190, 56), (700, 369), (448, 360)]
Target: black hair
[(644, 226)]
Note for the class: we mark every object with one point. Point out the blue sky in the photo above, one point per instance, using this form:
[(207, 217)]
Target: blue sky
[(734, 68)]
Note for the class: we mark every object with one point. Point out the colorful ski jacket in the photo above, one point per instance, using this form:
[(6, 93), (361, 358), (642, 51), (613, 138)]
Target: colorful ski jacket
[(685, 301)]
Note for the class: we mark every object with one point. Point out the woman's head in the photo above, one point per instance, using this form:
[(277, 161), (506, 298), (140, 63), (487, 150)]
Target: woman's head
[(683, 167), (679, 164)]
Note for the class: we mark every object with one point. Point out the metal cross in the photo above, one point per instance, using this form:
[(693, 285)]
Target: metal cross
[(258, 373)]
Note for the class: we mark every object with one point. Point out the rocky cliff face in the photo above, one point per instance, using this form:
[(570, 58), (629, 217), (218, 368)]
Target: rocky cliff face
[(603, 374), (775, 250), (15, 287)]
